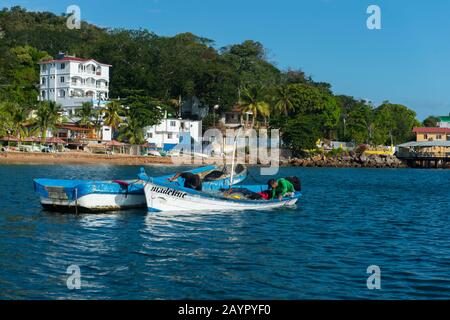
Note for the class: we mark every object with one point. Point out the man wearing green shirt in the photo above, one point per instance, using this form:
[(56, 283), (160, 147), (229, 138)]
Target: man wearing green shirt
[(281, 188)]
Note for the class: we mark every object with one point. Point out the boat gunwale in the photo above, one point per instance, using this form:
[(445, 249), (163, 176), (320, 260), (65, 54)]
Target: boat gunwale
[(203, 194)]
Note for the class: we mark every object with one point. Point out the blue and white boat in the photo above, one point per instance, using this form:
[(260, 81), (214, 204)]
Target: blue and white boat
[(102, 196), (89, 195), (166, 196)]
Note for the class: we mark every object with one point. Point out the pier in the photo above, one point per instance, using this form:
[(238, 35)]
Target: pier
[(425, 154)]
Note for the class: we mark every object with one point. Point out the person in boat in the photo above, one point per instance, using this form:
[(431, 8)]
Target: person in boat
[(281, 188), (191, 180)]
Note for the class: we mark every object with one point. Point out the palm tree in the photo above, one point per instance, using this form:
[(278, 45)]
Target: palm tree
[(252, 101), (85, 113), (177, 103), (132, 132), (283, 100), (48, 115), (6, 119), (12, 119), (111, 115), (28, 132)]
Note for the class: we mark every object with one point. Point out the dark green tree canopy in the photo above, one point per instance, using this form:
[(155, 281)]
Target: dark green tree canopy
[(151, 74)]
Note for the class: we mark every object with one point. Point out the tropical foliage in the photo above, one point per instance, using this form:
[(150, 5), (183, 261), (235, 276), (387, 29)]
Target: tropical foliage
[(252, 101), (112, 114), (86, 113), (151, 74), (48, 116)]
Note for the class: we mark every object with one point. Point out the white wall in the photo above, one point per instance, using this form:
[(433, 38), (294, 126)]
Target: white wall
[(53, 84), (170, 130), (106, 133)]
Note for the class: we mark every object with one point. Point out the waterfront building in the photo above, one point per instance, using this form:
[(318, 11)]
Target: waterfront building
[(432, 133), (170, 132), (71, 81), (431, 148), (235, 118)]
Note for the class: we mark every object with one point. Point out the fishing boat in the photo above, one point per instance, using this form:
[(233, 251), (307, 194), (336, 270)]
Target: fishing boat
[(163, 195), (89, 195), (101, 196)]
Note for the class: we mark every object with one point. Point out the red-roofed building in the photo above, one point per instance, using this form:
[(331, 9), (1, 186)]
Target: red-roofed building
[(432, 134), (71, 81)]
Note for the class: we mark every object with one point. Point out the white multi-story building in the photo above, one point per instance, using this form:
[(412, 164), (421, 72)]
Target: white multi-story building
[(170, 132), (71, 81)]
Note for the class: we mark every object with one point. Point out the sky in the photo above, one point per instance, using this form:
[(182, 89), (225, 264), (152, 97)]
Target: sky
[(407, 61)]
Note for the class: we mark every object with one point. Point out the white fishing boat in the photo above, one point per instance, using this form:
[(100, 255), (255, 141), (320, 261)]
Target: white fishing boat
[(101, 196), (166, 196), (162, 195)]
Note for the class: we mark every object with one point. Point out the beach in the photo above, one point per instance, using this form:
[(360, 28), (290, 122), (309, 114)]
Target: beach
[(79, 158), (318, 161)]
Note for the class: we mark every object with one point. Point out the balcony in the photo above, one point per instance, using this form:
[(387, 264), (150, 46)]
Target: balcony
[(78, 102)]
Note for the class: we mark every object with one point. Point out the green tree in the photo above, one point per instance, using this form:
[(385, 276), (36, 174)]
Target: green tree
[(301, 133), (48, 116), (359, 124), (6, 119), (393, 123), (283, 99), (20, 74), (356, 120), (308, 99), (86, 113), (430, 121), (112, 115), (252, 100), (132, 132)]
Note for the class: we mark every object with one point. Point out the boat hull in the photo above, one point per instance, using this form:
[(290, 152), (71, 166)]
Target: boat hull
[(95, 203), (163, 197)]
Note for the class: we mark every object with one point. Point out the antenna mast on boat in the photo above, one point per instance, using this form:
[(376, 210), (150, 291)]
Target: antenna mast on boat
[(234, 156)]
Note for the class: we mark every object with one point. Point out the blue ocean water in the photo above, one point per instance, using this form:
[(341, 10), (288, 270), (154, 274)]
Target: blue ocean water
[(348, 220)]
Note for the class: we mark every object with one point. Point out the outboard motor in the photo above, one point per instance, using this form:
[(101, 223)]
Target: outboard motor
[(296, 182)]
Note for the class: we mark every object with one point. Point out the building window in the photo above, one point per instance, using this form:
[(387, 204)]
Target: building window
[(61, 93), (43, 94), (63, 66), (425, 136), (169, 136), (150, 135), (44, 67), (43, 81), (173, 123), (438, 137), (62, 79)]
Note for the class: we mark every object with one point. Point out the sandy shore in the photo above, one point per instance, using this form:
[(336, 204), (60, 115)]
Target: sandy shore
[(78, 158)]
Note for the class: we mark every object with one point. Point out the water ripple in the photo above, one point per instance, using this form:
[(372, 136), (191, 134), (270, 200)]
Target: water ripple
[(347, 220)]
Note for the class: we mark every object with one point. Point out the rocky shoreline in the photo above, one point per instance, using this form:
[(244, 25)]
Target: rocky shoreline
[(347, 161), (319, 161)]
